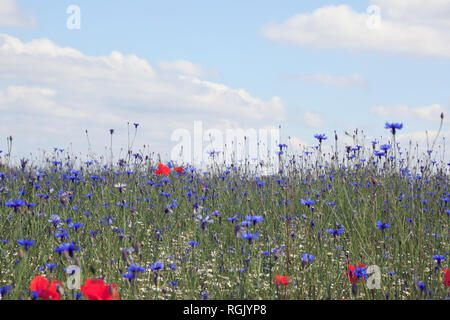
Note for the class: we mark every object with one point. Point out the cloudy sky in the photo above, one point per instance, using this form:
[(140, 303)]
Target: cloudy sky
[(310, 67)]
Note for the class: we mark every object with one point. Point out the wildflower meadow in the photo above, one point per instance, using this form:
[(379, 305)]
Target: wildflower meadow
[(368, 221)]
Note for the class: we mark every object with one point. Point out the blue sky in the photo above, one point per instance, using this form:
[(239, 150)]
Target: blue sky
[(325, 72)]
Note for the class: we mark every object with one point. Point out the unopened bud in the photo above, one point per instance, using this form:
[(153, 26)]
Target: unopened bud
[(354, 289), (59, 289)]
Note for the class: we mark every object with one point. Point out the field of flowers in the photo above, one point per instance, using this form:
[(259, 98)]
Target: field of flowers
[(321, 228)]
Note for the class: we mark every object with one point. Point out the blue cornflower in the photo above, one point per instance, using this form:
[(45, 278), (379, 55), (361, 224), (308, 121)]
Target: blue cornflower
[(67, 247), (173, 283), (134, 268), (250, 236), (55, 219), (360, 272), (382, 226), (232, 219), (215, 213), (193, 243), (172, 266), (26, 243), (51, 266), (439, 258), (76, 226), (205, 295), (307, 258), (63, 234), (157, 266), (421, 285), (246, 223), (77, 295), (393, 126), (335, 232), (254, 219), (129, 276), (307, 202), (5, 290), (15, 204), (385, 147), (320, 137)]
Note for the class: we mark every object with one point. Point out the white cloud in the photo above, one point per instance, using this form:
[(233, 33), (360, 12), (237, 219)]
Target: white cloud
[(312, 120), (296, 145), (12, 15), (431, 12), (400, 29), (421, 141), (34, 102), (45, 87), (354, 79), (428, 113), (182, 66)]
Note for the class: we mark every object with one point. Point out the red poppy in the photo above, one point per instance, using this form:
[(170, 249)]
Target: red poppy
[(180, 170), (446, 277), (351, 275), (162, 170), (44, 290), (279, 279), (97, 290)]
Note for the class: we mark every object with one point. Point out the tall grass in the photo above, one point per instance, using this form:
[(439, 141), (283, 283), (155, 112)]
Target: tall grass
[(140, 217)]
